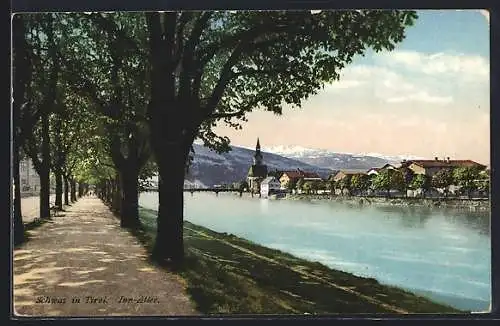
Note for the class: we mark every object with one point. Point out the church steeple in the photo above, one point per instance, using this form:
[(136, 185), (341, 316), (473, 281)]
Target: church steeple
[(257, 158)]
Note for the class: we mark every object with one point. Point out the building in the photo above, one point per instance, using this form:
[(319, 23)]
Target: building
[(28, 177), (431, 167), (344, 173), (269, 186), (295, 175), (258, 170), (376, 171)]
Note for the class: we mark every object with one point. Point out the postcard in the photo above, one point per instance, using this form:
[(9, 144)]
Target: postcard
[(232, 162)]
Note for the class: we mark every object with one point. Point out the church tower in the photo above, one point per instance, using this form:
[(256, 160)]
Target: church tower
[(257, 158), (258, 171)]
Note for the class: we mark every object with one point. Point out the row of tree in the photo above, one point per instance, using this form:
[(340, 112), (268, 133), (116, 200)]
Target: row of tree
[(110, 98), (467, 179)]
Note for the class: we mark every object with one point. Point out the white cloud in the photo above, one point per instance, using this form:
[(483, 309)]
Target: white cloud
[(387, 85), (460, 66), (343, 84)]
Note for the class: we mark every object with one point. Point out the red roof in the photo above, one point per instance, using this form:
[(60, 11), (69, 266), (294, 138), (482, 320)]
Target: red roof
[(443, 163), (300, 174)]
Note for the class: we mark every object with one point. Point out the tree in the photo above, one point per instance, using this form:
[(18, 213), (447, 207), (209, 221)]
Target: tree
[(307, 187), (443, 179), (397, 180), (467, 179), (408, 176), (291, 184), (360, 183), (115, 80), (43, 43), (345, 184), (214, 66), (383, 181), (421, 181), (300, 184), (332, 186)]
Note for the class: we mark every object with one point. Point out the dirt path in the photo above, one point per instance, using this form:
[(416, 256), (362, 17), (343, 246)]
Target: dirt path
[(83, 255)]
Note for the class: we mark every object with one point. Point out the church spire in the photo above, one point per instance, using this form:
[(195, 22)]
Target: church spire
[(257, 158)]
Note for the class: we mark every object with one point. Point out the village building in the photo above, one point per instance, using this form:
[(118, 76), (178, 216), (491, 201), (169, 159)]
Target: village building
[(295, 175), (258, 171), (431, 167), (269, 186), (344, 173), (376, 171), (28, 177)]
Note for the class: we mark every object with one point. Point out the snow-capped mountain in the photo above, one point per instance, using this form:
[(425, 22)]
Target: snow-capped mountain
[(210, 168), (335, 160)]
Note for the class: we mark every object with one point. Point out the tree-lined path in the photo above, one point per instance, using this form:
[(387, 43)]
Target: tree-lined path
[(83, 252)]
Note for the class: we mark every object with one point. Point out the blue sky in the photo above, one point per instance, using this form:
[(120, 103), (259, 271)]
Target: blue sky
[(429, 97)]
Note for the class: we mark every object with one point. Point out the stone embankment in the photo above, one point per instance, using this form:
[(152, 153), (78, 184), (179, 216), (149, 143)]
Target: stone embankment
[(473, 204)]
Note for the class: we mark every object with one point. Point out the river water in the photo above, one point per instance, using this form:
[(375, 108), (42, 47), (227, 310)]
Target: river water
[(442, 254)]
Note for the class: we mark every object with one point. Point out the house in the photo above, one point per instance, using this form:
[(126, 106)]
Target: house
[(269, 186), (295, 175), (373, 171), (431, 167), (258, 170), (376, 171), (344, 173)]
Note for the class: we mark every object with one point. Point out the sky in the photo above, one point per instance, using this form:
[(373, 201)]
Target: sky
[(429, 97)]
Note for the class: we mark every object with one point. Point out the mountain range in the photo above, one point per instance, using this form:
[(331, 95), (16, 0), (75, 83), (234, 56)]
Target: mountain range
[(337, 161), (209, 168)]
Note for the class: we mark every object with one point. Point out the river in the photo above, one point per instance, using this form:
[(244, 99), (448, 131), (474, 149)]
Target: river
[(440, 253)]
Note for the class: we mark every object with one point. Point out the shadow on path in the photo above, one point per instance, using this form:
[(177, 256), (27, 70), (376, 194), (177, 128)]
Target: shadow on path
[(81, 264)]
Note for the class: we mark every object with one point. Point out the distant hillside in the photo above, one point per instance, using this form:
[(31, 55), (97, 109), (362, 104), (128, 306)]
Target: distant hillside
[(210, 168), (336, 161)]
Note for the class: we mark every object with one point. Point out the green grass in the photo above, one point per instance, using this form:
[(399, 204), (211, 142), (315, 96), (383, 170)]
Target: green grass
[(227, 274)]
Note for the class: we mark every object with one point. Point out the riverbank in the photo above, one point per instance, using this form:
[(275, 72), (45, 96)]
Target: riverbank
[(472, 204), (227, 274)]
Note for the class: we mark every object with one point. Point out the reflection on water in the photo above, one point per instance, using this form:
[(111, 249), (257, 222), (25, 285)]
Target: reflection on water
[(443, 253)]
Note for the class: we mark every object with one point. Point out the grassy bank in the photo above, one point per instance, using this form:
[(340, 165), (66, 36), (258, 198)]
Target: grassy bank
[(227, 274)]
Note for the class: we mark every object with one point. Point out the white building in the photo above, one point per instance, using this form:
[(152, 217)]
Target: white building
[(28, 177), (269, 185)]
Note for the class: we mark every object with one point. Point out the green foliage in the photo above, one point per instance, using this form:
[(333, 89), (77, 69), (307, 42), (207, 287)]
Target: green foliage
[(345, 182), (234, 62), (442, 179), (388, 179), (360, 182), (421, 181), (467, 178)]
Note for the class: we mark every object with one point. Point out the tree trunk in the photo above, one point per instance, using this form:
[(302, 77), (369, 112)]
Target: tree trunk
[(44, 193), (130, 198), (169, 237), (59, 189), (80, 190), (73, 189), (116, 196), (45, 170), (66, 190), (18, 218)]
